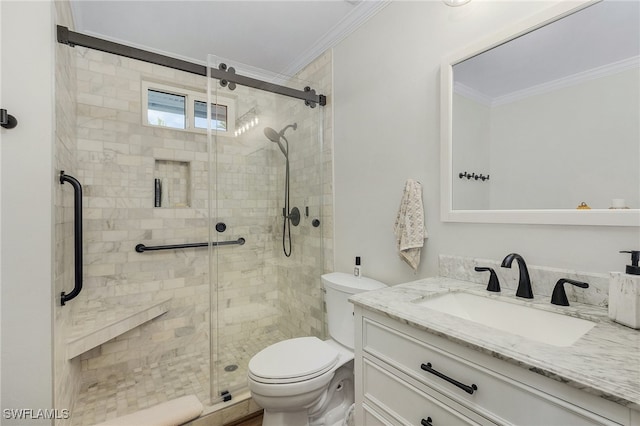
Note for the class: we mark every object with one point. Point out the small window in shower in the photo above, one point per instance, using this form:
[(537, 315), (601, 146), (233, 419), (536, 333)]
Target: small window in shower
[(218, 116), (166, 109), (180, 108)]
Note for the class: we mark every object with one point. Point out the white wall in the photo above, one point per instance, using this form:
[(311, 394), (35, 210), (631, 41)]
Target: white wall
[(27, 181), (386, 129)]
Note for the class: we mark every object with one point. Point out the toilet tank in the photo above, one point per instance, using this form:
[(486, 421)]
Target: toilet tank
[(339, 287)]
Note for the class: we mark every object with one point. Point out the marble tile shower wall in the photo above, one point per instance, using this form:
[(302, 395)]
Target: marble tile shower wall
[(67, 375), (117, 163)]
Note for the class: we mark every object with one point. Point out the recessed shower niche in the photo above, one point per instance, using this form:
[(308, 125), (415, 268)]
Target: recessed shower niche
[(172, 184)]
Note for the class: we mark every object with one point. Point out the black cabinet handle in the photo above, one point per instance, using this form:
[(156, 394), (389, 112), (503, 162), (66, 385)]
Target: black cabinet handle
[(426, 422), (468, 389)]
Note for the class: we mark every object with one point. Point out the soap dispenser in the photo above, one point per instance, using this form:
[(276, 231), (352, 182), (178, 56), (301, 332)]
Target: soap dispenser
[(633, 269), (357, 270), (624, 293)]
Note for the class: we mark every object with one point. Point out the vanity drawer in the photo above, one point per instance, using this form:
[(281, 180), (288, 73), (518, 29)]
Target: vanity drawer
[(406, 404), (516, 402), (372, 418)]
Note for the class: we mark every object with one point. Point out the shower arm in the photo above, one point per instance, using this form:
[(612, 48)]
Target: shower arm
[(281, 133)]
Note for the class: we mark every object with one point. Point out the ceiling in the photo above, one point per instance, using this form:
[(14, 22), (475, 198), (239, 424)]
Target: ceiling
[(278, 36), (592, 41)]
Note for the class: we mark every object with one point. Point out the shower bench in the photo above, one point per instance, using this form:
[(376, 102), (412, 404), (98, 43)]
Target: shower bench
[(98, 324)]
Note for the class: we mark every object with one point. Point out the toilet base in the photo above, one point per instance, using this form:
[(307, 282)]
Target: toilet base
[(335, 406)]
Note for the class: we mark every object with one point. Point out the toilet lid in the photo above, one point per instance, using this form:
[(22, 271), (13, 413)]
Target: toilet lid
[(293, 360)]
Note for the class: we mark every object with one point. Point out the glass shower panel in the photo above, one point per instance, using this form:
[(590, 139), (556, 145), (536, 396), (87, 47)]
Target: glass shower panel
[(143, 184), (260, 295)]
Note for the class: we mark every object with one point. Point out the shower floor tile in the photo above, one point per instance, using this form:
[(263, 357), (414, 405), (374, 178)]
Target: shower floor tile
[(238, 354), (126, 392)]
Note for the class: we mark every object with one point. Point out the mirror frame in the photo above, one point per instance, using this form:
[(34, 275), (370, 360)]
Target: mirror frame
[(607, 217)]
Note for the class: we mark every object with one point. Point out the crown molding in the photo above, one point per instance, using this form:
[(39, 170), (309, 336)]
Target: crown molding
[(361, 13), (571, 80), (550, 86), (473, 94)]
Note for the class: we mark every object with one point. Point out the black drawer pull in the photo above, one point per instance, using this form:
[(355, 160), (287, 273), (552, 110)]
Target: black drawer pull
[(426, 422), (468, 389)]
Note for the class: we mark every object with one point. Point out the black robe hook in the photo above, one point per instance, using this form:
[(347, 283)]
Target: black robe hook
[(7, 120)]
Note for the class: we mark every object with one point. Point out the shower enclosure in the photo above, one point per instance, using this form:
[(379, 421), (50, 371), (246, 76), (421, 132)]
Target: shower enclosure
[(184, 217)]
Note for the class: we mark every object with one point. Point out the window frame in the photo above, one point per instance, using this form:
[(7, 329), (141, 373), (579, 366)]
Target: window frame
[(191, 96)]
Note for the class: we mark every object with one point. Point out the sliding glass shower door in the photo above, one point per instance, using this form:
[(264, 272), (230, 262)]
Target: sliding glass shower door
[(265, 192)]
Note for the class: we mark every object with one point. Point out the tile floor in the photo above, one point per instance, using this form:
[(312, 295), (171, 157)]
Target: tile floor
[(126, 392)]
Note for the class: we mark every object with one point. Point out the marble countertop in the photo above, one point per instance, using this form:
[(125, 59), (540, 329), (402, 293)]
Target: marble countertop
[(605, 361)]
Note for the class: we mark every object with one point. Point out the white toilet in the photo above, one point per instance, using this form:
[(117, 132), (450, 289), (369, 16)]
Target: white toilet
[(307, 381)]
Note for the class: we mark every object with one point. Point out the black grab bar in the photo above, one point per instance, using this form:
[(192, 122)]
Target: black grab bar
[(77, 231), (141, 248)]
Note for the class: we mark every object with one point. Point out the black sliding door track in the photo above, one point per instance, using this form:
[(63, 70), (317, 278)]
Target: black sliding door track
[(225, 74)]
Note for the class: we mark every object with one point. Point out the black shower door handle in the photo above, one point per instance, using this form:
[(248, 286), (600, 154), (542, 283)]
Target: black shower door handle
[(77, 236)]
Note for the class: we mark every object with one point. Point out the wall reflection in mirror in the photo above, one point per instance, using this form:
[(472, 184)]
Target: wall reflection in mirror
[(553, 116)]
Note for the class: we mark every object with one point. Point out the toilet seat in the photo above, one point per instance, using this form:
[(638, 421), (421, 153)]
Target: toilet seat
[(293, 360)]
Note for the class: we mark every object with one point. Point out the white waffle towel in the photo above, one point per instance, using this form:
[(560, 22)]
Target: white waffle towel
[(409, 227)]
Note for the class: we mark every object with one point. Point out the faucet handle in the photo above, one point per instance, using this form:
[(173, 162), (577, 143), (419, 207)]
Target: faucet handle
[(559, 296), (494, 284)]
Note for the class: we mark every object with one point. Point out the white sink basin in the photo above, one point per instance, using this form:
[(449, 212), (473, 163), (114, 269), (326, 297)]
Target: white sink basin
[(532, 323)]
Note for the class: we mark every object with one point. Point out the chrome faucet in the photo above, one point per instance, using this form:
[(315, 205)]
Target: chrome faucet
[(524, 283)]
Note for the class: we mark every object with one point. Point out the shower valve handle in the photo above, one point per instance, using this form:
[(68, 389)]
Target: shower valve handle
[(294, 216)]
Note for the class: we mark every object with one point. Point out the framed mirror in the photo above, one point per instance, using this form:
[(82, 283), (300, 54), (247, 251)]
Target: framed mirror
[(541, 122)]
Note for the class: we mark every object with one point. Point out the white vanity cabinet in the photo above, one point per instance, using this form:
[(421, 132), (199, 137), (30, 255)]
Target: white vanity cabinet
[(407, 376)]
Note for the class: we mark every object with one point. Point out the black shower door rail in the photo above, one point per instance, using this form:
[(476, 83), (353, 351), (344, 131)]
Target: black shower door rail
[(225, 74)]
